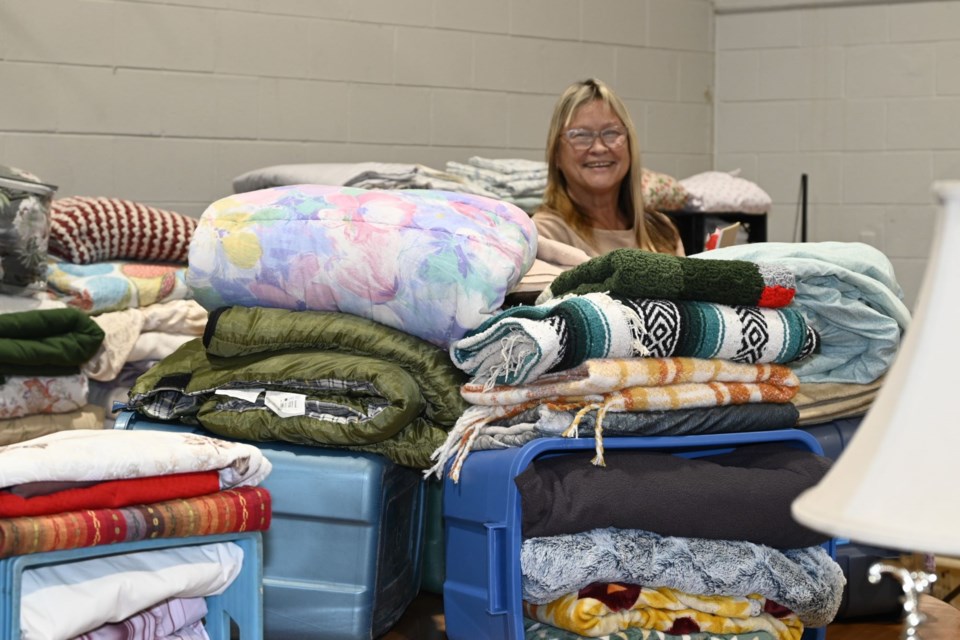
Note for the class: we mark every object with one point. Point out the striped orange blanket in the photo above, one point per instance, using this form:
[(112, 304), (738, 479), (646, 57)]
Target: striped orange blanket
[(227, 511)]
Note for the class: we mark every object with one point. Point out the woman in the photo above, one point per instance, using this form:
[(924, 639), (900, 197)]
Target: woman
[(593, 200)]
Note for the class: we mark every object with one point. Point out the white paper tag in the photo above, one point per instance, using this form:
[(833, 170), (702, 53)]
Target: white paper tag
[(249, 395), (286, 405)]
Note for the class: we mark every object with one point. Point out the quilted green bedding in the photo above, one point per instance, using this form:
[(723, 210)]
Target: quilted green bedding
[(308, 377)]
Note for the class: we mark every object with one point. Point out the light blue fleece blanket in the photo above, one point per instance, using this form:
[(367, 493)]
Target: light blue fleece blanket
[(848, 293)]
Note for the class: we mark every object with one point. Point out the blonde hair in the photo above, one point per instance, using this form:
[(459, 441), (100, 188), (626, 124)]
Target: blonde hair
[(654, 231)]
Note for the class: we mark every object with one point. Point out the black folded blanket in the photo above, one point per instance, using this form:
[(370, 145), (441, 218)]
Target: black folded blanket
[(744, 494)]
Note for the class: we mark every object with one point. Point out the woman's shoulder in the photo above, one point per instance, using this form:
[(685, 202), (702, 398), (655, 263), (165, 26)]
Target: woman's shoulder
[(550, 225), (549, 221)]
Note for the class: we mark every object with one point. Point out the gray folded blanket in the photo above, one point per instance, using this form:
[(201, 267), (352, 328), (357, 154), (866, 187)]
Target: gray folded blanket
[(806, 580), (544, 422)]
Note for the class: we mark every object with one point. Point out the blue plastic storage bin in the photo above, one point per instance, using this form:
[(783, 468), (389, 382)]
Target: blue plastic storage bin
[(834, 435), (236, 613), (482, 598), (342, 556)]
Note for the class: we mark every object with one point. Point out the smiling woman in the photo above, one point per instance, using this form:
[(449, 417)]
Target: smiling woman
[(593, 199)]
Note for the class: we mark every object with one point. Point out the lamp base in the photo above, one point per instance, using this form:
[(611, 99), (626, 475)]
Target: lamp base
[(913, 583)]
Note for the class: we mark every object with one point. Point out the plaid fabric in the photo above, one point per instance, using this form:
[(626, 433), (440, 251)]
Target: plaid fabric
[(615, 384)]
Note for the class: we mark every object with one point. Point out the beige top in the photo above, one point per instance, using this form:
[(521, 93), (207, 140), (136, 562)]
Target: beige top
[(551, 226)]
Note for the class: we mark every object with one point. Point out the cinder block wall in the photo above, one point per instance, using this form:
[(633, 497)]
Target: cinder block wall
[(166, 101), (862, 96)]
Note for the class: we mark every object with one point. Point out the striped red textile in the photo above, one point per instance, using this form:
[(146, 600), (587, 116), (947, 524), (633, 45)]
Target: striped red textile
[(229, 511), (96, 229)]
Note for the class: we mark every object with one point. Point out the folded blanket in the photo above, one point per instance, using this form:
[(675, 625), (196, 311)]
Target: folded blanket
[(849, 293), (228, 511), (609, 375), (819, 402), (634, 273), (180, 616), (602, 608), (109, 454), (741, 495), (806, 581), (520, 344), (25, 396), (46, 342), (630, 384), (12, 430), (734, 418), (122, 492), (61, 600), (545, 421), (149, 333), (534, 630), (116, 285), (349, 382)]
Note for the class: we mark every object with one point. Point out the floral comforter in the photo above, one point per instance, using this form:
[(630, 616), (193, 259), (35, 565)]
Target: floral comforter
[(433, 264)]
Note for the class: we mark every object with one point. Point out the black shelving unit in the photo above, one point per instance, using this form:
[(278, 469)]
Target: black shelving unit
[(693, 231)]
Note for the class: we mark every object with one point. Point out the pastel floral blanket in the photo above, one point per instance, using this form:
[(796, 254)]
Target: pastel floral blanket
[(433, 264)]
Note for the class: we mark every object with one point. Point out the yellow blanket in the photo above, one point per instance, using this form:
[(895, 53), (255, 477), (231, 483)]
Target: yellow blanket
[(605, 608)]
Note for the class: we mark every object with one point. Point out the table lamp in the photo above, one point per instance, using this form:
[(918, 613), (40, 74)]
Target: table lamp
[(893, 484)]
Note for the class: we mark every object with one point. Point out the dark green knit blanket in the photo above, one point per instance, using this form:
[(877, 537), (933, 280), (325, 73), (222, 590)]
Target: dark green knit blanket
[(634, 273)]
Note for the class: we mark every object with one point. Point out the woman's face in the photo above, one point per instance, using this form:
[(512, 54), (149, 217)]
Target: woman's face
[(598, 169)]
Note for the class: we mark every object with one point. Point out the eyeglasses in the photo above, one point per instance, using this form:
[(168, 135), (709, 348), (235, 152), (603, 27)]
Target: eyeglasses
[(584, 138)]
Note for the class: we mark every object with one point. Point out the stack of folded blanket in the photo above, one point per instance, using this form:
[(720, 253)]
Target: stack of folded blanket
[(84, 488), (515, 180), (649, 544), (43, 387), (633, 333)]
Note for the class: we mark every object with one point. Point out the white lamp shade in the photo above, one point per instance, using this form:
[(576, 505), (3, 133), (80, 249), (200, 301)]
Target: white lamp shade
[(897, 483)]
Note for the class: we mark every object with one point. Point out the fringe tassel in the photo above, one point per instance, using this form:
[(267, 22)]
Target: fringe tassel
[(463, 434), (598, 436), (511, 357), (638, 327), (573, 431)]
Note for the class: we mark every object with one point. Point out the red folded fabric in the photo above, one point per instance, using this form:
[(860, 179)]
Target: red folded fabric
[(112, 494)]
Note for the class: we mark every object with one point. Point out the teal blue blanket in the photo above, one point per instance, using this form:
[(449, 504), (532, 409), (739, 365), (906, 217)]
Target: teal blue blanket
[(522, 343)]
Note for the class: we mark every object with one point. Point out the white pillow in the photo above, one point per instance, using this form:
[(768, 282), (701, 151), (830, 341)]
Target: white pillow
[(67, 599), (718, 191)]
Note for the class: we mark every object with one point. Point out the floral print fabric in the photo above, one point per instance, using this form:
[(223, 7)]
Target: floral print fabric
[(434, 264), (24, 232), (116, 285), (662, 192), (30, 395)]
